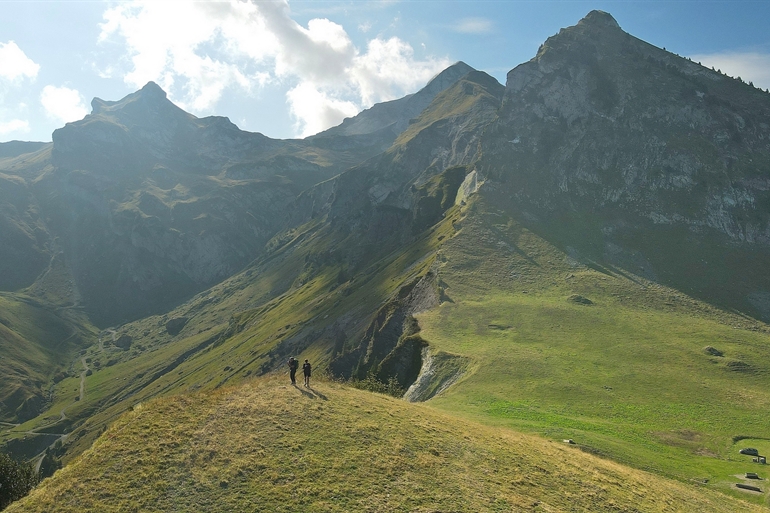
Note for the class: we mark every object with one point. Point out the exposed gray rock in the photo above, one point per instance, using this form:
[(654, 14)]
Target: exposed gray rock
[(439, 372), (124, 342), (577, 298), (175, 325), (601, 118)]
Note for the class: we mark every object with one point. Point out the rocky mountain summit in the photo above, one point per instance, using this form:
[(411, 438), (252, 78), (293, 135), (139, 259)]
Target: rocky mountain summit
[(143, 130), (602, 118), (394, 116), (655, 154)]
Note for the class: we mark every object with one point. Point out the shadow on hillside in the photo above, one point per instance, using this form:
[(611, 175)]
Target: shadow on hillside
[(310, 393), (705, 265)]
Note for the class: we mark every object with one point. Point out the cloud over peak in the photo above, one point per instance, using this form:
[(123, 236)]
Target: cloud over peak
[(63, 104), (197, 50)]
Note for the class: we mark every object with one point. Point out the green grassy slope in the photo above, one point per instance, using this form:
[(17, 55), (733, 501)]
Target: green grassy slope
[(630, 376), (285, 304), (36, 344), (268, 446)]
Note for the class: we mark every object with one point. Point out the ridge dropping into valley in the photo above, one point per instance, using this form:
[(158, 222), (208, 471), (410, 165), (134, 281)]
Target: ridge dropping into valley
[(581, 254)]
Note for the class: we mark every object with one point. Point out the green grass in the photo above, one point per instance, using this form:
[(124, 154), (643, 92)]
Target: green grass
[(464, 96), (35, 340), (243, 327), (626, 377), (267, 446)]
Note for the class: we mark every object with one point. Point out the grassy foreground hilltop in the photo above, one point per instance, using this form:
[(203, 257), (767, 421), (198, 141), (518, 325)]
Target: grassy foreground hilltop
[(268, 446)]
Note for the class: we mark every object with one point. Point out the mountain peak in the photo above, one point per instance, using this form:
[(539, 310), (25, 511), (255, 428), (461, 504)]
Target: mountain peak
[(449, 76), (152, 89), (597, 18), (397, 113), (151, 93), (597, 34)]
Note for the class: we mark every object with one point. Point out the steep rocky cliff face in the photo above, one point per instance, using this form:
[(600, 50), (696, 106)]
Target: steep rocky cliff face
[(23, 252), (150, 204), (649, 155), (389, 195), (605, 119)]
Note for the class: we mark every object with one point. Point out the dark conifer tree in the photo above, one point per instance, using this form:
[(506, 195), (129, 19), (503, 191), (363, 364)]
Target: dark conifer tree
[(16, 480)]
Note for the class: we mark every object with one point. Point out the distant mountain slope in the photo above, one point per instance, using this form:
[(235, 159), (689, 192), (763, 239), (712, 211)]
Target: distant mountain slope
[(37, 345), (16, 148), (267, 446), (377, 197), (150, 204), (23, 251)]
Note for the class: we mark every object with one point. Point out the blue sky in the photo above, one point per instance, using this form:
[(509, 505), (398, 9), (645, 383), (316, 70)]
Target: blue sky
[(290, 69)]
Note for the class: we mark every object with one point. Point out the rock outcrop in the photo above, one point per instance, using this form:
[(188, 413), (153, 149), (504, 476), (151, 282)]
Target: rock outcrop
[(600, 120)]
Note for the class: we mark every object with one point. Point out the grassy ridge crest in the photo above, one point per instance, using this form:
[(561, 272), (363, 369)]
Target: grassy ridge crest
[(268, 446)]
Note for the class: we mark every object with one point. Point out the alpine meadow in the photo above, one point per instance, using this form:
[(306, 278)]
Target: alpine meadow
[(548, 295)]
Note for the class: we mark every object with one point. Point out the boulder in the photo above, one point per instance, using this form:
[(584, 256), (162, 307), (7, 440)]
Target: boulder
[(175, 325), (124, 342), (576, 298)]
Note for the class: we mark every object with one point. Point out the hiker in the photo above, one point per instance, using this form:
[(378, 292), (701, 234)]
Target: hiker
[(306, 372), (293, 364)]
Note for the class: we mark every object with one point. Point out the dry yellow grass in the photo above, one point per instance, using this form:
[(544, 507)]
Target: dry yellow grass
[(268, 446)]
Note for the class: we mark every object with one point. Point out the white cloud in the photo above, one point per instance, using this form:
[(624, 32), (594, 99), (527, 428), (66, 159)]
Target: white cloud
[(315, 111), (750, 66), (14, 126), (197, 50), (63, 104), (474, 26), (388, 70), (14, 63)]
